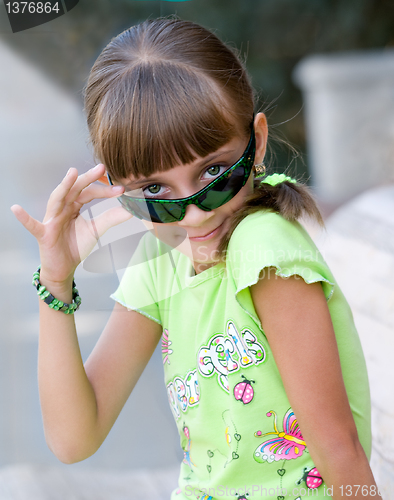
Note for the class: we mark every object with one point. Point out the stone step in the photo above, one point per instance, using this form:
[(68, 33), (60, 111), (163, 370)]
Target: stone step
[(34, 482)]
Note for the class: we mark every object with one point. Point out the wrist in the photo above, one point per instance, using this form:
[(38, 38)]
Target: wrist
[(60, 289), (60, 296)]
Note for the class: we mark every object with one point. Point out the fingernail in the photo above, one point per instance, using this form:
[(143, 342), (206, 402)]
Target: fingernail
[(97, 167), (68, 171), (117, 189)]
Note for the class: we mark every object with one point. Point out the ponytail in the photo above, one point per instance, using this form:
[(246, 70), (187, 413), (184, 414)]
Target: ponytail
[(287, 197)]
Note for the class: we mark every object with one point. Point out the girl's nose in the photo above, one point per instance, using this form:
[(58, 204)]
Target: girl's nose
[(195, 217)]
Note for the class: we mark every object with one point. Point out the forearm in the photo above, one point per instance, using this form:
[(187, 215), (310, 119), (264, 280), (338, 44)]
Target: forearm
[(345, 469), (67, 399), (75, 413)]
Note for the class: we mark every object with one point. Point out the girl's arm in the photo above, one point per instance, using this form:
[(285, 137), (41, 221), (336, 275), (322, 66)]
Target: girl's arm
[(80, 404), (296, 320)]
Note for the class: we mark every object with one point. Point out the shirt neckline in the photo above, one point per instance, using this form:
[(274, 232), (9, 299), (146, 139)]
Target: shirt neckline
[(193, 280)]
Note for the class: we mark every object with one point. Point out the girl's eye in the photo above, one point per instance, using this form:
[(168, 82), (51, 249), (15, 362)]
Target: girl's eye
[(153, 191), (215, 170)]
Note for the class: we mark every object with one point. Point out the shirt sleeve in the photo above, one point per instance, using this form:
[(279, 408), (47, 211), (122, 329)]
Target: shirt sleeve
[(265, 239)]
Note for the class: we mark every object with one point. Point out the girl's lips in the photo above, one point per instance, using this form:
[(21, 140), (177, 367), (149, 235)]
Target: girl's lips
[(208, 236)]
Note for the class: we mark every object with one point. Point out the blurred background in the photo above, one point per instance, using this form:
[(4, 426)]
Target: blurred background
[(324, 73)]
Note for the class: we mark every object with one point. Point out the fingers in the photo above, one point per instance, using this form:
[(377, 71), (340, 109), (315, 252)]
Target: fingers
[(84, 190), (58, 196), (74, 191), (99, 191), (85, 180), (81, 189), (32, 225)]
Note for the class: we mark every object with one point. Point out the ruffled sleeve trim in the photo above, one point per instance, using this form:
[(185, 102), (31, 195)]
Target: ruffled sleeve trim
[(136, 309), (265, 240), (241, 300)]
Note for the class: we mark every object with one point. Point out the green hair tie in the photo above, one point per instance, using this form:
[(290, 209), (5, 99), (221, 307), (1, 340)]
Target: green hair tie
[(275, 179)]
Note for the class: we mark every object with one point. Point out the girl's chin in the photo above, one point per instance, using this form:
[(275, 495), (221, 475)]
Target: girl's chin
[(202, 254)]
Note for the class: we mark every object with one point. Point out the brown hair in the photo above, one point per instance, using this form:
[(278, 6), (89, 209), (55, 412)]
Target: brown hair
[(166, 90), (160, 93)]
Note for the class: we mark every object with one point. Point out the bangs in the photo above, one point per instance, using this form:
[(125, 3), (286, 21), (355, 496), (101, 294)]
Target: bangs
[(157, 115)]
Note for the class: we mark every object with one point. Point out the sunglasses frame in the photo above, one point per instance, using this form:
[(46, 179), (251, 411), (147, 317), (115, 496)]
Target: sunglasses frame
[(246, 161)]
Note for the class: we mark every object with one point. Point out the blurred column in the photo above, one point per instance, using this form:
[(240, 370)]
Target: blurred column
[(349, 110)]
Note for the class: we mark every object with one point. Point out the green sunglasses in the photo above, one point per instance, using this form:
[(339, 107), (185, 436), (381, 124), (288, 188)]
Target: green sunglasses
[(214, 195)]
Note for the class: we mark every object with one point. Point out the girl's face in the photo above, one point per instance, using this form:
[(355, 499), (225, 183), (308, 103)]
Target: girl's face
[(198, 234)]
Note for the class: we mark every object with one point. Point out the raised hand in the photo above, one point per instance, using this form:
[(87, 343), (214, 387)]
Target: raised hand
[(64, 237)]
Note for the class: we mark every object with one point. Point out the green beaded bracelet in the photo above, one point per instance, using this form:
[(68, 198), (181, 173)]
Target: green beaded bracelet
[(49, 299)]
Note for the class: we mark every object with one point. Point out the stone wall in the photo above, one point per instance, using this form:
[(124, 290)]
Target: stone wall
[(359, 248)]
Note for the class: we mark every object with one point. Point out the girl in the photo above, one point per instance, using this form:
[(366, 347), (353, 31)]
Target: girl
[(263, 366)]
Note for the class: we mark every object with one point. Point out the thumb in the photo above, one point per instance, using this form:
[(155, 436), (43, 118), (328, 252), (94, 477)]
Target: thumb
[(32, 225)]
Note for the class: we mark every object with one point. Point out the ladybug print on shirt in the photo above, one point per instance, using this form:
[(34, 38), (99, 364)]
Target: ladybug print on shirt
[(312, 478), (243, 391), (223, 354)]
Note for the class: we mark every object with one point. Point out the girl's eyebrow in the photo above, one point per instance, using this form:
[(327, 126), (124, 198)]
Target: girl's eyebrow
[(208, 159)]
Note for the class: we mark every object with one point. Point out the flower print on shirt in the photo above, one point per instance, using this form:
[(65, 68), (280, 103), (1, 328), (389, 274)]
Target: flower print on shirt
[(165, 347)]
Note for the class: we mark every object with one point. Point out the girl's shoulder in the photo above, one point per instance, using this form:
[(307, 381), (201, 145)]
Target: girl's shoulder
[(265, 239), (269, 230)]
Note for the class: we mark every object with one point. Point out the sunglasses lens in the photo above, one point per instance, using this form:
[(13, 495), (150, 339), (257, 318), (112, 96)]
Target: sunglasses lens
[(153, 211), (165, 212), (218, 195), (223, 191)]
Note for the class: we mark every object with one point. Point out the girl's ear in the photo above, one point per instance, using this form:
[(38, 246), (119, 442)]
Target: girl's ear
[(104, 180), (261, 133)]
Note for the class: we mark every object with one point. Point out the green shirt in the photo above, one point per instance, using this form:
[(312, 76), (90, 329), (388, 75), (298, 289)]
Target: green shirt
[(237, 429)]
